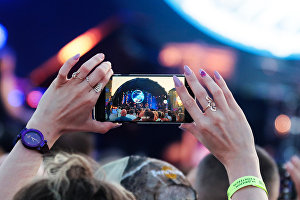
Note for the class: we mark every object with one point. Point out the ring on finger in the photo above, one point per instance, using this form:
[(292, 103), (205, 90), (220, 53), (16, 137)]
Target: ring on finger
[(98, 87), (211, 104), (75, 75), (88, 81)]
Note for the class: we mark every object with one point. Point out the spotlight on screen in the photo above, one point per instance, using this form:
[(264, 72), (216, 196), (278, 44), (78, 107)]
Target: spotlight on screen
[(137, 96), (3, 36)]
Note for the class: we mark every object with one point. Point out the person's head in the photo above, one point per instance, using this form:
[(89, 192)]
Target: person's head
[(81, 143), (70, 177), (159, 114), (123, 112), (211, 181), (131, 112), (150, 179), (149, 115), (181, 117)]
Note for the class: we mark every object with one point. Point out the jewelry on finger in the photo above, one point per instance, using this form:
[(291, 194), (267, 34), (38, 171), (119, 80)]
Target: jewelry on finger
[(75, 75), (211, 104), (88, 81), (98, 87)]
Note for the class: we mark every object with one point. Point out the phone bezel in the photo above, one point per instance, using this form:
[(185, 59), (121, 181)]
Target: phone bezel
[(100, 105)]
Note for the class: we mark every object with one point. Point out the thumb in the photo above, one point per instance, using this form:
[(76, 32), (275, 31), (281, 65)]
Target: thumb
[(101, 127), (190, 127)]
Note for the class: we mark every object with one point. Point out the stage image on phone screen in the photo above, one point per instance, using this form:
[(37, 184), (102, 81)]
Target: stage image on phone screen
[(143, 99)]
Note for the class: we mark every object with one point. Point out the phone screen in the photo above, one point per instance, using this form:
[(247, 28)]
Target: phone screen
[(141, 99)]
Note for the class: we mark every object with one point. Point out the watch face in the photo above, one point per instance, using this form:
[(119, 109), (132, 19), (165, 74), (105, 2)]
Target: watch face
[(32, 138)]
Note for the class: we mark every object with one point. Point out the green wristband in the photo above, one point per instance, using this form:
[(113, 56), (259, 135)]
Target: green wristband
[(244, 182)]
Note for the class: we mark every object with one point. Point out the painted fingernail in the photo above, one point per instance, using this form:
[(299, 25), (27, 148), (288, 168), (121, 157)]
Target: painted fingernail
[(177, 81), (76, 57), (187, 70), (217, 75), (117, 125), (182, 128), (202, 72), (101, 55)]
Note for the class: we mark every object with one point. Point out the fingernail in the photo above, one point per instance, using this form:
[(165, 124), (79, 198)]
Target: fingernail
[(202, 72), (217, 75), (289, 165), (187, 70), (76, 57), (117, 125), (182, 128), (177, 81), (101, 55)]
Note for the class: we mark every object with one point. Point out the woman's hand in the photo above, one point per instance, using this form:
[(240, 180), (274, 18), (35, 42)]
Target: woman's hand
[(67, 104), (293, 168), (222, 126)]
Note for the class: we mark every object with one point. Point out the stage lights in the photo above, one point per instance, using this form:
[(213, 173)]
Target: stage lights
[(16, 98), (269, 28), (33, 98), (3, 36), (283, 124), (81, 44)]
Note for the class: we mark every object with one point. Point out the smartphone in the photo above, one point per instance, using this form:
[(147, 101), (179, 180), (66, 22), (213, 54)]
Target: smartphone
[(142, 99)]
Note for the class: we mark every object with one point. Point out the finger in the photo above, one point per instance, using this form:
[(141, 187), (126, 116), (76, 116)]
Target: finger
[(101, 127), (291, 169), (104, 81), (65, 69), (190, 127), (99, 73), (188, 102), (227, 93), (215, 90), (196, 87), (296, 162), (90, 65)]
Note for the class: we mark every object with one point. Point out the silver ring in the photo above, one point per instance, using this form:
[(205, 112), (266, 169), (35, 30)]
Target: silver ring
[(211, 104), (98, 87), (88, 80), (75, 75)]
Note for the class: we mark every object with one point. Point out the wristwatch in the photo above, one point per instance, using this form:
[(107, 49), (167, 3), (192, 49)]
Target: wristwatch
[(33, 139)]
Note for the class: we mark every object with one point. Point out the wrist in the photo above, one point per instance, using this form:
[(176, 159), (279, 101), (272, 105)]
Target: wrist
[(247, 165), (50, 132)]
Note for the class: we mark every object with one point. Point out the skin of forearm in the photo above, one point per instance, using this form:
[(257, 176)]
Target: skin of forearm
[(237, 169), (18, 169), (22, 164)]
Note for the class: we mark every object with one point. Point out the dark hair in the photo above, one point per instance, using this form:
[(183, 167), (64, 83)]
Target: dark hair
[(131, 111), (211, 171), (149, 115), (70, 177), (159, 114), (81, 143)]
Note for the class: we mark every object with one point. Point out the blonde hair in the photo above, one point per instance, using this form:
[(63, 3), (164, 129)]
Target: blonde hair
[(71, 176)]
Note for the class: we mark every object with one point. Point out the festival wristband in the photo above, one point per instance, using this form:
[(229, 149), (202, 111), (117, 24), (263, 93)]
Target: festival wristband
[(244, 182)]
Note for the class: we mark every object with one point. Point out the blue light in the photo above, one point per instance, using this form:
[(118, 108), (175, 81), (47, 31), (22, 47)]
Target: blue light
[(250, 25), (3, 36), (16, 98), (137, 96)]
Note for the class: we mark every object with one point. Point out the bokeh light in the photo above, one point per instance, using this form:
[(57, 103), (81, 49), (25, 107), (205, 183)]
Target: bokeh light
[(33, 98), (283, 124), (3, 36), (16, 98), (81, 44)]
